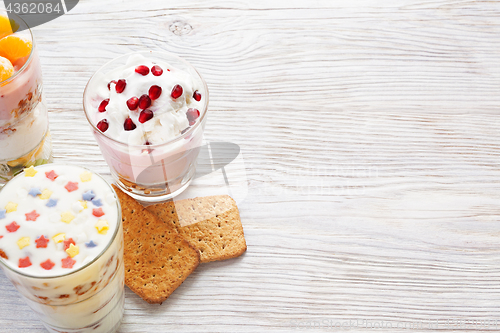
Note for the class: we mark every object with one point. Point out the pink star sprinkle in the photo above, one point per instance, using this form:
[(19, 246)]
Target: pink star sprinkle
[(67, 242), (68, 262), (97, 212), (51, 175), (41, 242), (32, 216), (47, 264), (12, 227), (24, 262), (70, 186)]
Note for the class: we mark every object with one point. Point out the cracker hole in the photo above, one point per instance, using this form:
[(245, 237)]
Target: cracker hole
[(221, 236), (199, 239), (219, 224), (179, 250), (223, 246)]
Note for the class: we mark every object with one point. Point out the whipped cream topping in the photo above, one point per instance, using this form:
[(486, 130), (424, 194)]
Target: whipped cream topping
[(169, 114), (54, 219)]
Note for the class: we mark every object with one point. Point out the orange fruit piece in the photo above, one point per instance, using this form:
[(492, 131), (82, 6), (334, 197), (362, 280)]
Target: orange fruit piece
[(7, 26), (6, 69), (15, 48)]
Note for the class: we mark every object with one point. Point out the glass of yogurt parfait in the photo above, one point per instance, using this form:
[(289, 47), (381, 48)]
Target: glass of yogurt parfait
[(24, 126), (148, 111), (61, 245)]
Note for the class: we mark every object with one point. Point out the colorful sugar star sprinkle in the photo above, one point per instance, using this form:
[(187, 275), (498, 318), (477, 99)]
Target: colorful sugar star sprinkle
[(24, 262), (102, 227), (91, 244), (97, 202), (71, 186), (73, 250), (51, 175), (11, 227), (67, 217), (23, 242), (68, 242), (41, 242), (51, 203), (34, 191), (68, 262), (59, 238), (32, 216), (88, 196), (83, 203), (30, 172), (11, 207), (2, 213), (86, 176), (47, 264), (45, 194), (97, 212)]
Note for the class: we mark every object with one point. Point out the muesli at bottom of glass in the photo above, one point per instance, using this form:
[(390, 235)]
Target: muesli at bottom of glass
[(89, 299)]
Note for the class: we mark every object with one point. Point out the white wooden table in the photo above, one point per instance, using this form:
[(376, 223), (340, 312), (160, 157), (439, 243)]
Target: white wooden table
[(370, 133)]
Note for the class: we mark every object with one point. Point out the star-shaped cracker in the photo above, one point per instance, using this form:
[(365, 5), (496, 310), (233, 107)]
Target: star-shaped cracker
[(41, 242), (30, 172), (32, 216)]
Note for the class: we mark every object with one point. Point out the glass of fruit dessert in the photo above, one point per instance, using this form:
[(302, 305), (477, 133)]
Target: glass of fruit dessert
[(24, 126), (148, 112)]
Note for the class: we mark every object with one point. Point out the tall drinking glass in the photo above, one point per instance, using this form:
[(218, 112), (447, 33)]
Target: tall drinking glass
[(24, 126)]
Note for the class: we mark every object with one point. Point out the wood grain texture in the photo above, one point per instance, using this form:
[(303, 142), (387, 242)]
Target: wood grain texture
[(370, 135)]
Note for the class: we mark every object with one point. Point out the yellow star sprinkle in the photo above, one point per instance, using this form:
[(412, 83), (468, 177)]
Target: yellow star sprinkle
[(83, 203), (86, 176), (11, 207), (73, 250), (45, 194), (23, 242), (67, 217), (59, 238), (30, 172), (102, 227)]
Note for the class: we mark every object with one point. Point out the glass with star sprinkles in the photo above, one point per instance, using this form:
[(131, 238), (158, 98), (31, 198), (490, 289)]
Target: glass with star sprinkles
[(61, 245)]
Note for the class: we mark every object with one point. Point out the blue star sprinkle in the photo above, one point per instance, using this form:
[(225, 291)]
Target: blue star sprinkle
[(88, 196), (34, 191), (51, 203), (97, 202), (2, 213), (91, 244)]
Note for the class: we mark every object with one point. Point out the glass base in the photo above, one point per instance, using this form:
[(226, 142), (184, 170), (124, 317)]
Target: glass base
[(151, 198)]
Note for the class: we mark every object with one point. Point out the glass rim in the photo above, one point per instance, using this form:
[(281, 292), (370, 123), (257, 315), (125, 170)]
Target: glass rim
[(30, 57), (97, 257), (159, 145)]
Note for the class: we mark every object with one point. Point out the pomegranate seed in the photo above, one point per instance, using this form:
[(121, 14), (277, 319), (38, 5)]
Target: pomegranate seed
[(145, 116), (120, 86), (197, 96), (192, 115), (132, 103), (129, 125), (176, 91), (143, 70), (156, 70), (102, 106), (144, 102), (103, 125), (109, 84), (154, 92)]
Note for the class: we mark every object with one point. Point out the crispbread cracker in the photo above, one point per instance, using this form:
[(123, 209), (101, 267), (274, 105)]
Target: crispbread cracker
[(211, 224), (157, 259)]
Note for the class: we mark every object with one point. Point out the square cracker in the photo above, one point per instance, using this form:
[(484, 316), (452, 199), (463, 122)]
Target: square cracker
[(157, 259), (211, 224)]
